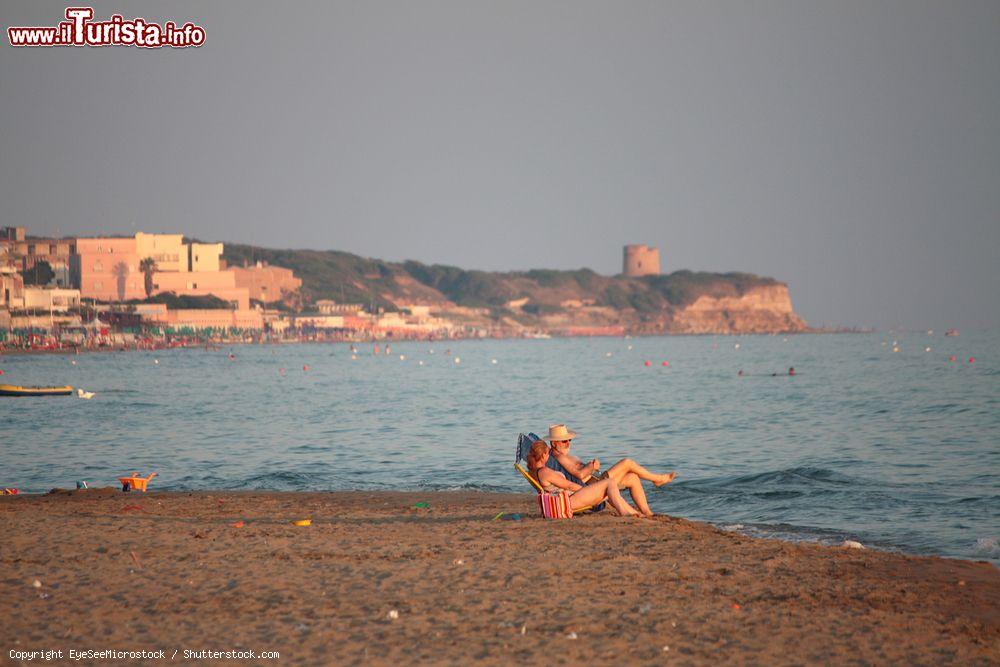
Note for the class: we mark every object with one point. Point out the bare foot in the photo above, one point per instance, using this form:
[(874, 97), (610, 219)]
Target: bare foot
[(665, 479)]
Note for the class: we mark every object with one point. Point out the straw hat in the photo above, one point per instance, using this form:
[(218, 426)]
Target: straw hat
[(560, 432)]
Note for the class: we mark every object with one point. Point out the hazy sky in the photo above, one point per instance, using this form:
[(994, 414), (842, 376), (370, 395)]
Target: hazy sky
[(851, 149)]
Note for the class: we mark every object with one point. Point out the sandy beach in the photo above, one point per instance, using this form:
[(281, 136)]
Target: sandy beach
[(376, 579)]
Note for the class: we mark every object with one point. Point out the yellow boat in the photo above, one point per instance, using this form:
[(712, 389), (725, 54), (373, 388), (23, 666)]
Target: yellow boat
[(17, 390)]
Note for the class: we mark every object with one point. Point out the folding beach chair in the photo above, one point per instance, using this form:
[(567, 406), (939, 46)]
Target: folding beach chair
[(560, 504)]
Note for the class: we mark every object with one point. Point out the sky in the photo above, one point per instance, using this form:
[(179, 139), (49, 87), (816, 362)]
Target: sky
[(848, 148)]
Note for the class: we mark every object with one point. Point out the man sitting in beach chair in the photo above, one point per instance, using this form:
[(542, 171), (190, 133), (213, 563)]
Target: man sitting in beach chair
[(627, 474), (561, 498)]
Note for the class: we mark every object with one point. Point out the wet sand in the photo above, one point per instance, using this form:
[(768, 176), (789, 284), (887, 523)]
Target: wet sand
[(375, 580)]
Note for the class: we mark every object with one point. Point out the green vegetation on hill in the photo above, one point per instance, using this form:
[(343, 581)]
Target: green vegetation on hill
[(348, 278), (185, 301)]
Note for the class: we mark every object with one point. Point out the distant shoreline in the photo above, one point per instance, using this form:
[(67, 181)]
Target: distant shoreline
[(72, 350)]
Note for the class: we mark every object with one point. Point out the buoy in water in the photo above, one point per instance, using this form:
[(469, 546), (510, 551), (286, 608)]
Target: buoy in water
[(305, 368), (648, 362), (607, 354), (665, 363), (493, 361), (281, 370), (972, 360), (458, 360), (951, 358)]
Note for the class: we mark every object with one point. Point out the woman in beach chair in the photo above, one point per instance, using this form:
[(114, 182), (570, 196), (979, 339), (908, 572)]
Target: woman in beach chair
[(579, 496)]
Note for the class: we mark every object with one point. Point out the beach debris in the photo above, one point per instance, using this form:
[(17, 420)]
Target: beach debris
[(458, 561), (851, 544), (135, 559), (392, 615), (36, 583), (571, 635), (81, 484), (84, 394), (962, 582), (238, 524), (423, 504), (736, 606), (302, 522), (666, 648), (136, 482), (8, 492), (524, 629), (132, 508), (504, 516)]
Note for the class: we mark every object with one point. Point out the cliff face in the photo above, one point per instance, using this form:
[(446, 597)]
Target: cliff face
[(572, 302), (761, 310)]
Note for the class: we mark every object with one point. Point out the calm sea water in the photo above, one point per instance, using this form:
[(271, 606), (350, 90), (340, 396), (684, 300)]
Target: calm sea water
[(896, 450)]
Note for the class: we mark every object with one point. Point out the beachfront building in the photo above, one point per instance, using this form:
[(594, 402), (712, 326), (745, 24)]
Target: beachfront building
[(50, 299), (29, 252), (168, 250), (108, 269), (328, 307), (221, 284), (205, 257), (11, 286), (201, 318), (266, 283)]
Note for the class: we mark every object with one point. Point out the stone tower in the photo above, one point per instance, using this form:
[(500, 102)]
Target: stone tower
[(641, 260)]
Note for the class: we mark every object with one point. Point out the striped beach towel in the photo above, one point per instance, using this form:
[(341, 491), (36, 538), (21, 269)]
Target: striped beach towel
[(555, 505)]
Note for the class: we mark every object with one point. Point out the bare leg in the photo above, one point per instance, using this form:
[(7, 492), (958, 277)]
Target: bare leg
[(632, 482), (595, 493), (626, 466)]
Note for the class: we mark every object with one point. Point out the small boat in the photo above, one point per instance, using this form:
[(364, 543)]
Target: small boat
[(951, 332), (17, 390)]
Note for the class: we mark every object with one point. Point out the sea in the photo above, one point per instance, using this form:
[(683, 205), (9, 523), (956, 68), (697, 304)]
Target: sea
[(891, 439)]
